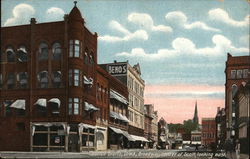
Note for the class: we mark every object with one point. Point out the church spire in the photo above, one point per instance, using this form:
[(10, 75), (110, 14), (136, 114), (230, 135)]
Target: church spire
[(195, 118)]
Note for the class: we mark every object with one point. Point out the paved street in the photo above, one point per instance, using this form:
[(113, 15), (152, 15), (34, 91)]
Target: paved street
[(129, 154)]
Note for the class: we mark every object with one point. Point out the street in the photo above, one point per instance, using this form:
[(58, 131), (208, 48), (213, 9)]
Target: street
[(129, 154)]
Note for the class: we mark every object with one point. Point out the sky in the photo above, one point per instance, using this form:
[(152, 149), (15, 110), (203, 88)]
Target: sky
[(181, 45)]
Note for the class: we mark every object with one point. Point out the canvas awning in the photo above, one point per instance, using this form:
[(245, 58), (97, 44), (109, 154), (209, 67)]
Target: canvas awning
[(18, 104), (87, 81), (117, 96), (139, 138), (116, 130), (196, 142), (86, 126), (42, 102), (128, 136), (55, 100), (118, 116), (124, 118), (90, 107)]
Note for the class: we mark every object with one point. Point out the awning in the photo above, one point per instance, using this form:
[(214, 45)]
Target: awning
[(163, 138), (117, 96), (46, 125), (9, 49), (124, 118), (196, 142), (118, 131), (22, 49), (86, 126), (186, 142), (88, 81), (114, 115), (42, 102), (128, 136), (139, 138), (89, 107), (55, 100), (18, 104)]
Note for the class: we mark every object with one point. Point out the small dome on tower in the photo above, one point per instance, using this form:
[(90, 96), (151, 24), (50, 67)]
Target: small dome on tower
[(75, 13)]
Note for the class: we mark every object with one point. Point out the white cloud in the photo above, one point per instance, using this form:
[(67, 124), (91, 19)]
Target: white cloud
[(54, 13), (145, 21), (244, 40), (21, 15), (138, 34), (222, 16), (179, 18), (182, 45)]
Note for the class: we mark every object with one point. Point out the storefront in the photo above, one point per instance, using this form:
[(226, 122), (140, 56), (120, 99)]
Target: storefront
[(101, 138)]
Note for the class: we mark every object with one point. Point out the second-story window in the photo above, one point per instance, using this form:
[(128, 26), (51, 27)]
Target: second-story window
[(74, 48), (43, 51), (10, 54), (74, 77), (56, 79), (239, 74), (11, 80), (43, 79), (245, 73), (57, 51), (73, 106), (22, 78), (22, 54)]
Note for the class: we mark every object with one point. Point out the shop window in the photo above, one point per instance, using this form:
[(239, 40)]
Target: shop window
[(56, 79), (40, 139), (74, 48), (20, 126), (43, 79), (245, 73), (11, 81), (57, 51), (10, 54), (22, 78), (56, 140), (43, 51), (239, 74), (22, 54)]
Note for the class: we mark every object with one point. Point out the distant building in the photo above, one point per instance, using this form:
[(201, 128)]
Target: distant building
[(208, 131), (148, 117), (155, 129), (163, 133), (242, 103), (237, 71), (196, 137), (220, 120)]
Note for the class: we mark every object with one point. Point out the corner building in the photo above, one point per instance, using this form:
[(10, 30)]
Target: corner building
[(48, 87)]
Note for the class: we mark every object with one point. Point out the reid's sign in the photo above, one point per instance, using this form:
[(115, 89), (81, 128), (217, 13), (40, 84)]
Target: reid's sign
[(117, 69)]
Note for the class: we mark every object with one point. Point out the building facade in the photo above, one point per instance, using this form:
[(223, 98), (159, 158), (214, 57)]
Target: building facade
[(48, 86), (131, 77), (196, 137), (242, 102), (154, 129), (237, 71), (208, 131), (220, 120), (148, 117), (162, 133)]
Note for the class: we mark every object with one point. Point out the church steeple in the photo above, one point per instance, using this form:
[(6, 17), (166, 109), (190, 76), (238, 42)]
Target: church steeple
[(195, 118)]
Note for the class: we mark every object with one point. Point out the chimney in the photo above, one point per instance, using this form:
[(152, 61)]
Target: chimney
[(33, 21), (115, 61)]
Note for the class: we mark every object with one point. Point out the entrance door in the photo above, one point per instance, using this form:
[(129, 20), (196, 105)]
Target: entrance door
[(73, 143)]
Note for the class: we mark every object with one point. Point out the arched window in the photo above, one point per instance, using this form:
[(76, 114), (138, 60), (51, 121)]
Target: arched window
[(22, 78), (56, 79), (22, 54), (10, 54), (234, 90), (43, 51), (57, 51), (43, 79)]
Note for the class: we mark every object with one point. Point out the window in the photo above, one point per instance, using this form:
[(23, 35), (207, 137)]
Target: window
[(22, 78), (74, 48), (1, 81), (22, 54), (245, 73), (10, 54), (70, 77), (239, 74), (74, 106), (91, 60), (11, 81), (57, 51), (86, 57), (43, 51), (76, 77), (233, 74), (234, 90), (56, 79), (43, 79)]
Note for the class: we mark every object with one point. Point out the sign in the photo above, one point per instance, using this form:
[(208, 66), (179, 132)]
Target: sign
[(57, 140), (117, 69)]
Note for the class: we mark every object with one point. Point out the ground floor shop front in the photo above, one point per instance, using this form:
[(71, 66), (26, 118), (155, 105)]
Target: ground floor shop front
[(60, 136)]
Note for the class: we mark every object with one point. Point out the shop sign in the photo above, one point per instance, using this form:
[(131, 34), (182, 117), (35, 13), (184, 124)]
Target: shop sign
[(57, 140), (117, 69)]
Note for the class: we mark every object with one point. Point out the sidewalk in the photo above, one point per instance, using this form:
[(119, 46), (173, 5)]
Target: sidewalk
[(244, 156)]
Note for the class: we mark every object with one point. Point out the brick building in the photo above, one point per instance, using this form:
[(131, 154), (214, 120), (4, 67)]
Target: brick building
[(148, 117), (49, 84), (237, 72), (220, 120), (208, 131)]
